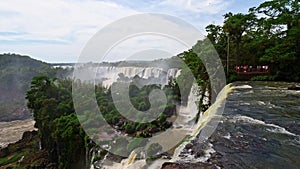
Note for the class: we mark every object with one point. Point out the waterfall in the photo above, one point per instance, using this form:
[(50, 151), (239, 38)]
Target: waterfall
[(106, 75), (186, 114), (205, 118), (132, 157), (40, 144), (89, 155), (91, 165), (87, 164)]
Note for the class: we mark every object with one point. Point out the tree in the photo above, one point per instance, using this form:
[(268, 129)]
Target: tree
[(215, 33), (235, 25), (59, 129), (283, 22), (69, 141)]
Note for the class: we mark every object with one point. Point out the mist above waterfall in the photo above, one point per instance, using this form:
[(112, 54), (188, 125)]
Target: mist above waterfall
[(142, 72)]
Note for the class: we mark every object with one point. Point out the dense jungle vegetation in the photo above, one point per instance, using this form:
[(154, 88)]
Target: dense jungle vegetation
[(62, 135), (267, 35)]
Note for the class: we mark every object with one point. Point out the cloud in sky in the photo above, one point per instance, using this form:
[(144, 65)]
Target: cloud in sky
[(56, 31), (58, 20), (203, 6), (50, 30)]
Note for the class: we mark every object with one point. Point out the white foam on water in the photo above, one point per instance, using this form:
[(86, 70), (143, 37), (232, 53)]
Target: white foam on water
[(207, 153), (245, 104), (218, 167), (3, 144), (261, 103), (128, 163), (246, 119), (157, 164), (269, 104), (249, 92), (228, 136), (279, 129), (242, 87), (210, 113), (274, 128), (270, 87), (192, 159), (264, 139)]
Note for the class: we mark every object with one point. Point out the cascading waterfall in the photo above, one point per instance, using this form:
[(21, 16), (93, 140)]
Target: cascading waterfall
[(109, 74), (87, 158), (187, 114), (205, 118)]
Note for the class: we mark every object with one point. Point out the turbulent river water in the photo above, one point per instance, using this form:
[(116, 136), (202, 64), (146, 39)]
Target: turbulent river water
[(259, 128), (11, 132)]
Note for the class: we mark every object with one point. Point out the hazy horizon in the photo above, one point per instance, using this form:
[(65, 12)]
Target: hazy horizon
[(70, 24)]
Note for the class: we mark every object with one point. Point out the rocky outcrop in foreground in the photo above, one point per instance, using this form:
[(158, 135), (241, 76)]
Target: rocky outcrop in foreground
[(169, 165), (24, 153)]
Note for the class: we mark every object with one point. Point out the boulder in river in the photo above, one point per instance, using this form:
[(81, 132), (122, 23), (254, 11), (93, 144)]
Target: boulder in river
[(294, 87)]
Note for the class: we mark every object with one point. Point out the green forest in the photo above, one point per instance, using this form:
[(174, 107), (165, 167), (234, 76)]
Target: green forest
[(62, 138), (54, 113), (267, 35)]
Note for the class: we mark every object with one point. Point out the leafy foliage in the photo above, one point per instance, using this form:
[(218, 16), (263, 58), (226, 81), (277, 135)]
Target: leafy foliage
[(61, 133), (59, 129), (268, 34)]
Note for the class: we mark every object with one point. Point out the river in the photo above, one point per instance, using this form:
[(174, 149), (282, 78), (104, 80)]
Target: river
[(259, 128), (11, 132)]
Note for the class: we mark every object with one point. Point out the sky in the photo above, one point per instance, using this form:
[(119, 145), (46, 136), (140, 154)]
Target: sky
[(58, 30)]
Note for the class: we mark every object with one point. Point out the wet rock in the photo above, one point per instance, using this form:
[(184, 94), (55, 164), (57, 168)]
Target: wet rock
[(294, 87), (28, 135), (28, 146), (169, 165), (115, 158), (199, 154), (189, 146), (182, 155), (191, 151)]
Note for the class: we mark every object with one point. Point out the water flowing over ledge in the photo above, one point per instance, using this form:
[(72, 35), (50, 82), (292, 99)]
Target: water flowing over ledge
[(205, 118), (259, 128)]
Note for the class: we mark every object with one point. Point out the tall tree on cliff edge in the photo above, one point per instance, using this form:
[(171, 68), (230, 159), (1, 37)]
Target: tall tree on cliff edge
[(59, 130), (235, 25)]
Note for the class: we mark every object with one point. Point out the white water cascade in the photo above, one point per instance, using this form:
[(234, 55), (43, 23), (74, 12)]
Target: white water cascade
[(182, 127), (106, 75)]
